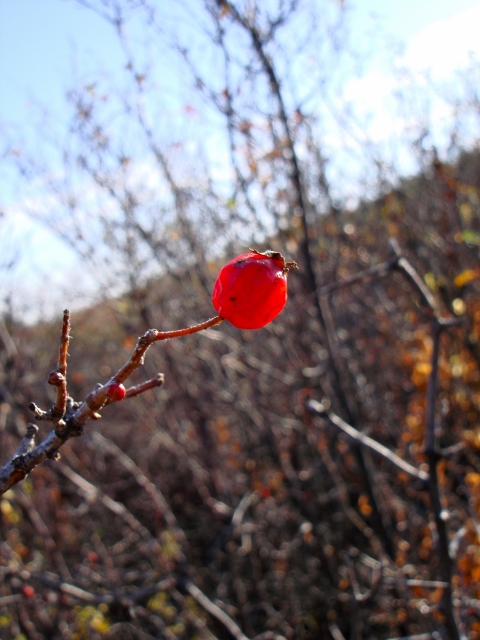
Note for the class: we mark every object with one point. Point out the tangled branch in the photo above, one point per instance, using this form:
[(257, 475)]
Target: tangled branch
[(68, 416)]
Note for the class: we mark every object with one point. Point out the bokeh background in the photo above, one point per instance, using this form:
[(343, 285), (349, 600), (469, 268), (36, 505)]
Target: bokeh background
[(142, 145)]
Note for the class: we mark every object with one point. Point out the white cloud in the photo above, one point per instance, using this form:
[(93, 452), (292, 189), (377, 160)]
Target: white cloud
[(41, 275), (446, 46), (391, 104)]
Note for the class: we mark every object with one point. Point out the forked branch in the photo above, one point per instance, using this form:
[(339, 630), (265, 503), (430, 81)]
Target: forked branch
[(69, 417)]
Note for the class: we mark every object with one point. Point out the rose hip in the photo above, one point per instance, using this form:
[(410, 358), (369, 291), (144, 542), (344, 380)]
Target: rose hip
[(251, 290)]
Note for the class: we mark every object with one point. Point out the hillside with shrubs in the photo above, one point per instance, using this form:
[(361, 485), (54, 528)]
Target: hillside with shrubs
[(316, 478), (224, 478)]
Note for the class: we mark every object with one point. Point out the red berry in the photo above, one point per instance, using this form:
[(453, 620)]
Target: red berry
[(92, 557), (28, 591), (116, 391), (251, 290)]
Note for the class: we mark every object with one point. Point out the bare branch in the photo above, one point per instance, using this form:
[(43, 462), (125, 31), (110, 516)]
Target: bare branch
[(58, 378), (151, 336), (28, 441), (441, 516), (366, 441), (335, 632), (74, 415), (215, 611), (153, 491), (61, 403), (379, 269), (93, 494), (404, 265), (20, 466), (145, 386), (6, 338), (124, 599)]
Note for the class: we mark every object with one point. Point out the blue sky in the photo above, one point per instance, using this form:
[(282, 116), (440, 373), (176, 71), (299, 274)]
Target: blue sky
[(40, 39), (44, 42)]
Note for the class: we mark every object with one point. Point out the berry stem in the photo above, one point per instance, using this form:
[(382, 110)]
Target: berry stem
[(166, 335), (151, 336)]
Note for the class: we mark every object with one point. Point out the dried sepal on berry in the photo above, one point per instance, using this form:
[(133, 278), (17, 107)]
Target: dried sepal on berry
[(276, 255)]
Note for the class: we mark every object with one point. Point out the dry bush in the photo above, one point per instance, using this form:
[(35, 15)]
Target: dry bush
[(229, 502)]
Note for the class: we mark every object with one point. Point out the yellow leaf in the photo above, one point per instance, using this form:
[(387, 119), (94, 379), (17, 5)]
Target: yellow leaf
[(466, 276)]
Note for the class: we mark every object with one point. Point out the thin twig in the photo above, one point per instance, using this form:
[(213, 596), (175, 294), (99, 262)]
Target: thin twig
[(445, 565), (362, 598), (145, 386), (8, 343), (58, 378), (61, 402), (343, 496), (335, 632), (215, 611), (153, 491), (404, 265), (366, 441), (151, 336), (92, 494), (126, 600), (27, 443), (379, 269), (74, 415)]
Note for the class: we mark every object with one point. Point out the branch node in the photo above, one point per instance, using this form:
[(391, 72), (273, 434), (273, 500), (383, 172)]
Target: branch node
[(61, 428), (75, 428), (31, 430), (92, 401), (19, 463), (55, 378), (147, 338), (37, 411)]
